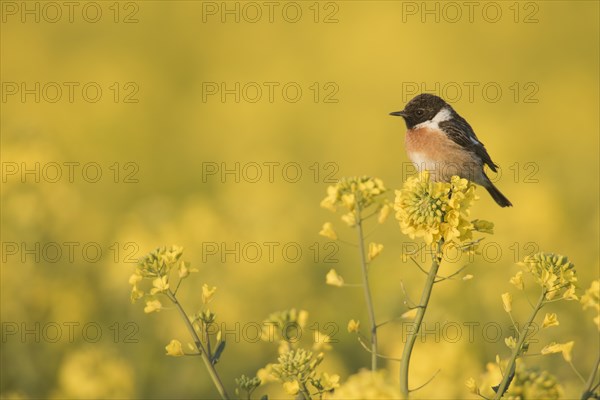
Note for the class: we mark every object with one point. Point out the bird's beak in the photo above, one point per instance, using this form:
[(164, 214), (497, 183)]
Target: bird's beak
[(398, 114)]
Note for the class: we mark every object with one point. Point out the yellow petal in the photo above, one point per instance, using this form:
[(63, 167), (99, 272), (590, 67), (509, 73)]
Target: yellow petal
[(353, 326), (266, 374), (174, 348), (322, 341), (327, 231), (302, 318), (517, 280), (410, 314), (159, 284), (550, 320), (291, 388), (183, 271), (208, 294), (510, 342), (349, 219), (374, 250), (334, 279), (383, 213), (135, 278), (472, 386), (566, 350), (551, 348), (152, 306), (569, 294), (507, 302), (330, 382), (348, 200)]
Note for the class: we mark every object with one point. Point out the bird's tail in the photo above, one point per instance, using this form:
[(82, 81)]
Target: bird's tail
[(497, 195)]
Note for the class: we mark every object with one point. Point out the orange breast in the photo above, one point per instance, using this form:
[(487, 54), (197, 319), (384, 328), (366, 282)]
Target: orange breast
[(428, 142), (431, 149)]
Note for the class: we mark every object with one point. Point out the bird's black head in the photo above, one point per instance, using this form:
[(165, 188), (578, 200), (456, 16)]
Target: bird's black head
[(421, 108)]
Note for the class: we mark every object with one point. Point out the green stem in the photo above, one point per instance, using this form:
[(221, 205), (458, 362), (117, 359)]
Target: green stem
[(207, 362), (588, 392), (367, 289), (422, 307), (503, 387), (304, 391)]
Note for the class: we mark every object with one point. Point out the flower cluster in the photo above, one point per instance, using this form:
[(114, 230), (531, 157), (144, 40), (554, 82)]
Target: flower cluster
[(368, 385), (354, 194), (350, 192), (554, 273), (157, 267), (297, 370), (528, 383), (287, 328), (284, 327), (437, 210), (164, 269), (296, 367), (246, 385)]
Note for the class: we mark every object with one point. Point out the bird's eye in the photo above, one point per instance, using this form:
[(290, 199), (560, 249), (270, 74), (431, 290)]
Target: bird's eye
[(420, 112)]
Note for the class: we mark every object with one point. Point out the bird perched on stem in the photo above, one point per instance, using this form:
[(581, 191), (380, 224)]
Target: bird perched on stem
[(442, 142)]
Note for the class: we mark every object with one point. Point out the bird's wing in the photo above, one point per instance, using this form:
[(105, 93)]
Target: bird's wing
[(461, 133)]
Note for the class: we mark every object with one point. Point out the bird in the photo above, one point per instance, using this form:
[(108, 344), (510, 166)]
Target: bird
[(442, 142)]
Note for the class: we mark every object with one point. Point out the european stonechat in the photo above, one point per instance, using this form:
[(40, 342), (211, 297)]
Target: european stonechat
[(442, 142)]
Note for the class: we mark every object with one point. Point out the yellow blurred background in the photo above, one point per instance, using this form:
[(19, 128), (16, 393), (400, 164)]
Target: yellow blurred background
[(130, 125)]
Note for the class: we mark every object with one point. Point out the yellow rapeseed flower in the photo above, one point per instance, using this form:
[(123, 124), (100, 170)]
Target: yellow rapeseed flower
[(350, 192), (410, 314), (472, 386), (136, 293), (330, 382), (553, 272), (564, 348), (566, 351), (349, 200), (266, 374), (528, 383), (174, 348), (435, 210), (152, 306), (291, 388), (327, 231), (322, 341), (383, 213), (160, 284), (334, 279), (367, 384), (349, 218), (184, 269), (374, 250), (507, 302), (135, 278), (551, 348), (591, 299), (510, 342), (208, 293), (550, 320), (353, 326), (330, 201), (517, 280)]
